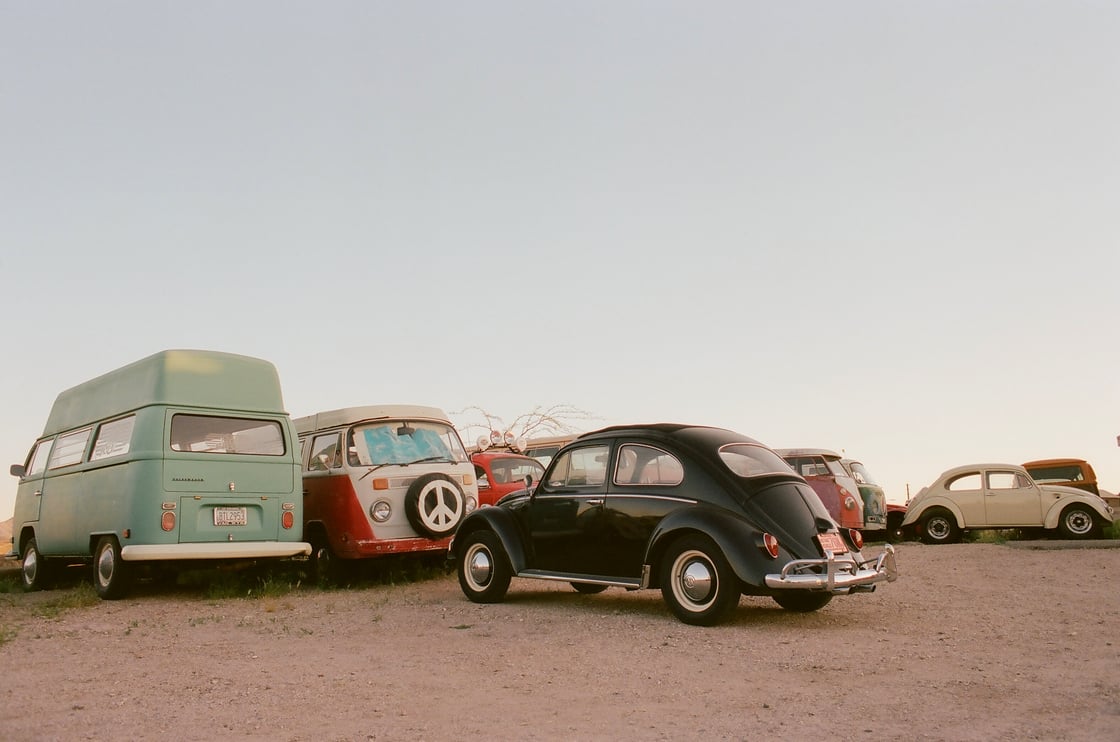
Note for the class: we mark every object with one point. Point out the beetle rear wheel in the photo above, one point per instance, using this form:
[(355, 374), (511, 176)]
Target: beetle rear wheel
[(588, 588), (697, 582), (939, 527)]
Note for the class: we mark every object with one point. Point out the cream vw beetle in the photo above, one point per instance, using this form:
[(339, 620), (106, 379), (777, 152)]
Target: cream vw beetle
[(980, 496)]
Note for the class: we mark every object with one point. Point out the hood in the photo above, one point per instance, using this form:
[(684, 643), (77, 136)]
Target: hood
[(1061, 489)]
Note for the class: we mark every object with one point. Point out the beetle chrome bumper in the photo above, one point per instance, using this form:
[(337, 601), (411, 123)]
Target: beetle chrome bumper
[(840, 575)]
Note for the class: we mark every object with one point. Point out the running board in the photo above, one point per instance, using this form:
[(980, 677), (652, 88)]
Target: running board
[(540, 574)]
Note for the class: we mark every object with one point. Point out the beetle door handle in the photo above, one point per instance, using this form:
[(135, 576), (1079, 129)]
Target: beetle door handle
[(595, 501), (38, 493)]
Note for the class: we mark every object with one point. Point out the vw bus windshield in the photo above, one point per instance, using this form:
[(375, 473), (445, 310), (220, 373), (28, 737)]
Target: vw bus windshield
[(398, 442), (861, 475)]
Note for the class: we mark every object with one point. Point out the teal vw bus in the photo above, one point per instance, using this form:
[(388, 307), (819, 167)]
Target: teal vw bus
[(183, 456)]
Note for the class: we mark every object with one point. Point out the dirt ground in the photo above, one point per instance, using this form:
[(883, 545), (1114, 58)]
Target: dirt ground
[(975, 641)]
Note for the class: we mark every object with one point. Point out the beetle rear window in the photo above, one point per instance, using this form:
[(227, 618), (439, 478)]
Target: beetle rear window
[(749, 460)]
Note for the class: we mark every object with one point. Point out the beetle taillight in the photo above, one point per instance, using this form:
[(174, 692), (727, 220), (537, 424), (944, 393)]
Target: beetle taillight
[(856, 537), (770, 543)]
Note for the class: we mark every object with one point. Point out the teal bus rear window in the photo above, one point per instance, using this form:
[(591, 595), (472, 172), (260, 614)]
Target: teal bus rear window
[(230, 435)]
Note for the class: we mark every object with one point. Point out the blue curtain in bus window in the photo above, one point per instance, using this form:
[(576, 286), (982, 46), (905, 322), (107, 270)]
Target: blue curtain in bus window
[(386, 447)]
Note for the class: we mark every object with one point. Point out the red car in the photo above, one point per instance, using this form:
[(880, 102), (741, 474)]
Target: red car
[(500, 472)]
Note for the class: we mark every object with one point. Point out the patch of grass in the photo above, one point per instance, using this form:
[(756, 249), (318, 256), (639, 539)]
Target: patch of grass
[(994, 536), (80, 596), (10, 583), (1112, 531)]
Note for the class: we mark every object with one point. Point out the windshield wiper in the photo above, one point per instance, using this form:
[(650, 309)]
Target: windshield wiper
[(424, 460)]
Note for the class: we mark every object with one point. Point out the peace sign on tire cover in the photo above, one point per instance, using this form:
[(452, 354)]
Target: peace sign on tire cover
[(434, 505)]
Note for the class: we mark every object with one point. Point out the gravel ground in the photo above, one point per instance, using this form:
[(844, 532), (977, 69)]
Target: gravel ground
[(974, 641)]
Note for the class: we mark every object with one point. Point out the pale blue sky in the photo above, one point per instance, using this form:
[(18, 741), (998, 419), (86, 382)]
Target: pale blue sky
[(884, 227)]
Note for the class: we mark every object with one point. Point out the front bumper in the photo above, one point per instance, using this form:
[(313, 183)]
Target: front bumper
[(841, 574)]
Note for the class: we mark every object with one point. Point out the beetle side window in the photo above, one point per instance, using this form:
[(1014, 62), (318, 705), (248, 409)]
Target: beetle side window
[(964, 482), (1002, 480), (647, 465), (113, 438), (68, 449), (581, 467)]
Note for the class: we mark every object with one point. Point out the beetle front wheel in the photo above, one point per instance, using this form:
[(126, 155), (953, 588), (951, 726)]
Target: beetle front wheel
[(1077, 522), (484, 570)]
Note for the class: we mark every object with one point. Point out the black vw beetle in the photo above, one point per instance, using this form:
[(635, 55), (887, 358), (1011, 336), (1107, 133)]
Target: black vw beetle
[(702, 513)]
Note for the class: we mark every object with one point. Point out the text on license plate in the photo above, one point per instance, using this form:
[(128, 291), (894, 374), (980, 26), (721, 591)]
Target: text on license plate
[(832, 542), (231, 516)]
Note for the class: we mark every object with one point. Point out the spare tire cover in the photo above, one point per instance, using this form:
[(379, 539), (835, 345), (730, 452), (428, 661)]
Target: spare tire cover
[(435, 504)]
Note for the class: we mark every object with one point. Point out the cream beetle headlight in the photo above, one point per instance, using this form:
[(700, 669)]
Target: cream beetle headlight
[(380, 511), (471, 504)]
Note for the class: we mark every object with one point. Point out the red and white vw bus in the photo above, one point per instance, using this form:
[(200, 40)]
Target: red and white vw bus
[(381, 480)]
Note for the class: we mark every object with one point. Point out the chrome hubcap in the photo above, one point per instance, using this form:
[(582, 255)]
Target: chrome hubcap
[(693, 580), (696, 581), (1079, 522), (30, 566), (105, 565), (479, 566)]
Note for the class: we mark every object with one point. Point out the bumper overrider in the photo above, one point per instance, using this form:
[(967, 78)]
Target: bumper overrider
[(838, 574)]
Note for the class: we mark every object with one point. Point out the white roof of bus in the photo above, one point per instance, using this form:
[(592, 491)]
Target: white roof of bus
[(805, 452), (351, 415)]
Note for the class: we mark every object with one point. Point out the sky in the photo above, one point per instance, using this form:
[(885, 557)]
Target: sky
[(889, 229)]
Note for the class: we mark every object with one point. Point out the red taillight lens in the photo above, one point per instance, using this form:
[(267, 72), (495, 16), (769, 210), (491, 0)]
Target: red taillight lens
[(770, 543), (288, 519), (167, 521), (856, 537)]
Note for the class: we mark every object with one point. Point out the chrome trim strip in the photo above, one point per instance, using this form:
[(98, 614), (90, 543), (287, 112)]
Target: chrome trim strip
[(623, 496), (537, 574)]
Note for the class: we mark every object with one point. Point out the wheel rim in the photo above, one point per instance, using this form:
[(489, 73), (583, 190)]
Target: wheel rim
[(479, 566), (30, 566), (106, 564), (1079, 522), (938, 527), (694, 580)]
